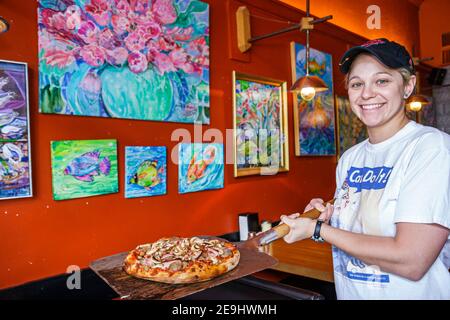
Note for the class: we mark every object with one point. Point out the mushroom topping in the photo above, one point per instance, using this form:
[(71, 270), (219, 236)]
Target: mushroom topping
[(176, 265)]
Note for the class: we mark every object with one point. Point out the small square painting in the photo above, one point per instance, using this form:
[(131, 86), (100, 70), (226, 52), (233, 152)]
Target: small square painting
[(200, 167), (145, 172), (84, 168)]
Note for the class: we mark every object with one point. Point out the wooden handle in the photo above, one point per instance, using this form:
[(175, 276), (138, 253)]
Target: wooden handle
[(283, 229)]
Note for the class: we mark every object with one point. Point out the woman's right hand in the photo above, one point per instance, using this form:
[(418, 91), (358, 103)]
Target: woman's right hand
[(326, 211)]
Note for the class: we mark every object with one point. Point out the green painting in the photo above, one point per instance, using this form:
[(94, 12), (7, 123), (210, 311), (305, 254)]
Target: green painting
[(84, 168)]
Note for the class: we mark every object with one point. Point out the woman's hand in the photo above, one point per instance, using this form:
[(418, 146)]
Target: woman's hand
[(300, 228), (326, 211)]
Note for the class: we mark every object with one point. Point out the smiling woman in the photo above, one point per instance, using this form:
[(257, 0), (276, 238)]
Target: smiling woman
[(376, 94), (388, 229)]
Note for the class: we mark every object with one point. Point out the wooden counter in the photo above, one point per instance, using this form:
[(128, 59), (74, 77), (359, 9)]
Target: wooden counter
[(305, 258)]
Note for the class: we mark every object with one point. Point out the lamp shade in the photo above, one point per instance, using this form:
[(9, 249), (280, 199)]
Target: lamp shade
[(4, 25), (309, 82), (416, 102)]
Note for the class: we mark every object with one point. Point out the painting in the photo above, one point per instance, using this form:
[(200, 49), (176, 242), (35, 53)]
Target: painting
[(145, 171), (350, 129), (200, 167), (15, 160), (313, 120), (84, 168), (140, 59), (260, 125)]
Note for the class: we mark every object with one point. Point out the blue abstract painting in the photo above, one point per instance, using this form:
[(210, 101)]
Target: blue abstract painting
[(200, 167), (145, 171), (314, 125)]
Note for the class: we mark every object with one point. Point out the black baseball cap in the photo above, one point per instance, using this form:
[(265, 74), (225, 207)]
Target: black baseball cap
[(389, 53)]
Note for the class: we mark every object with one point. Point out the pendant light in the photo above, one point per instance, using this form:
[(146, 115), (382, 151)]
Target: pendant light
[(308, 85), (4, 25), (416, 102)]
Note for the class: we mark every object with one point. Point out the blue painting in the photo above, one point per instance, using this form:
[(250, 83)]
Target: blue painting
[(200, 167), (314, 125), (145, 173)]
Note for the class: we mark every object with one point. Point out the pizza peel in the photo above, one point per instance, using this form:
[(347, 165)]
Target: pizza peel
[(253, 259)]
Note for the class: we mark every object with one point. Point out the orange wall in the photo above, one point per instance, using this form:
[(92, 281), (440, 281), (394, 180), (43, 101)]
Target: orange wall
[(40, 237), (434, 21), (399, 18)]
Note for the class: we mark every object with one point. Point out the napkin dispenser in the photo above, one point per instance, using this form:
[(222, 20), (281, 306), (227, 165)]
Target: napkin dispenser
[(248, 222)]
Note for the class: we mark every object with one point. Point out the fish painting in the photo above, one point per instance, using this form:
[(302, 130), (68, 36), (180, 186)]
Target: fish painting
[(200, 167), (84, 168), (196, 169), (148, 174), (88, 165), (145, 171)]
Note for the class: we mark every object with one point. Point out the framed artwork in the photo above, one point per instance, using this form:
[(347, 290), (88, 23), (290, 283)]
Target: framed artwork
[(146, 60), (15, 159), (84, 168), (260, 125), (145, 171), (313, 120), (350, 129), (200, 167)]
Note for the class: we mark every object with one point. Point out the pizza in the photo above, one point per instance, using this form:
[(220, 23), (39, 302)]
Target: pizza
[(182, 260)]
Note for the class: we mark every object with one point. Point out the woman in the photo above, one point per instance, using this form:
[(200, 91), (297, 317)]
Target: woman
[(391, 217)]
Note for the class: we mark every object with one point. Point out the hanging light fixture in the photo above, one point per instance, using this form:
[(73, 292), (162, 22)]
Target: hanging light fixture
[(4, 25), (417, 102), (307, 85)]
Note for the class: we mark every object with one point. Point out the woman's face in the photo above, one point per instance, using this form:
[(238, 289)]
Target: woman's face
[(376, 92)]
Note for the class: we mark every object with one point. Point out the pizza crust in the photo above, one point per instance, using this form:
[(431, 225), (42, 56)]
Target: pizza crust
[(195, 271)]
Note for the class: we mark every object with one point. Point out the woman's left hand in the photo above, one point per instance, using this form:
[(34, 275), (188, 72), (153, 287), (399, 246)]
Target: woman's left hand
[(300, 228)]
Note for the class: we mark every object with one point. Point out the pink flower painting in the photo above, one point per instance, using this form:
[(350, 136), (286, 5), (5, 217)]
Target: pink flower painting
[(119, 43)]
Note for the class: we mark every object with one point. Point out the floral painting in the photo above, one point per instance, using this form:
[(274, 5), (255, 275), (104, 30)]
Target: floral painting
[(200, 167), (84, 168), (260, 123), (134, 59), (313, 120), (350, 129), (145, 173), (15, 162)]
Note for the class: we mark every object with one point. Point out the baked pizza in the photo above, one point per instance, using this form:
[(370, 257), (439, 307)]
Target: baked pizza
[(182, 260)]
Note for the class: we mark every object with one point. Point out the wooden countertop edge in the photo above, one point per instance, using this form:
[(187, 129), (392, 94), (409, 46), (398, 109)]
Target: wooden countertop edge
[(302, 271)]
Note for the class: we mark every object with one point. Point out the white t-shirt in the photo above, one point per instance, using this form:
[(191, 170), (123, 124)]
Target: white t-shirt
[(405, 178)]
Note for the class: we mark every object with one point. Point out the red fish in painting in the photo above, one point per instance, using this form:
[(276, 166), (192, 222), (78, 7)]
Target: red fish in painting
[(196, 169)]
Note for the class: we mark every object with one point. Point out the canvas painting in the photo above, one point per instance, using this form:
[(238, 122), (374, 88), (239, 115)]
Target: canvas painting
[(200, 167), (15, 161), (260, 124), (350, 129), (145, 173), (314, 120), (84, 168), (140, 59)]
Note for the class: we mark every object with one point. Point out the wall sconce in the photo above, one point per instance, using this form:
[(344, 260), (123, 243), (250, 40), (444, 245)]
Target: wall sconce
[(308, 85), (4, 25), (417, 102)]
